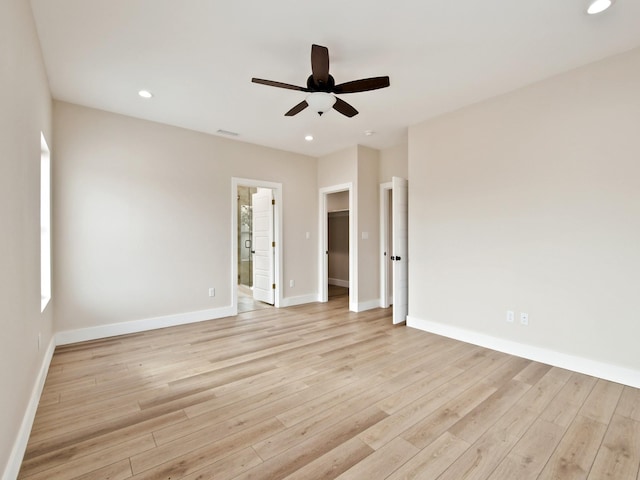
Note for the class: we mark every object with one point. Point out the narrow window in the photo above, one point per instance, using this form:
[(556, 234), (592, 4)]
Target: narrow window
[(45, 223)]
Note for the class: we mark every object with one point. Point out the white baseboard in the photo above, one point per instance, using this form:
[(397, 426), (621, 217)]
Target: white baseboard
[(574, 363), (338, 282), (20, 445), (135, 326), (299, 300)]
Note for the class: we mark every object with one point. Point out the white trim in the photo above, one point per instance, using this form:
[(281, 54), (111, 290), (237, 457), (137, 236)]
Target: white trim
[(574, 363), (368, 305), (135, 326), (20, 445), (338, 282), (278, 236), (299, 300)]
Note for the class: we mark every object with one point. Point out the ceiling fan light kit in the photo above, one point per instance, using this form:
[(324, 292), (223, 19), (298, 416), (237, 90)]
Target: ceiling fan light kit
[(598, 6), (322, 87), (320, 102)]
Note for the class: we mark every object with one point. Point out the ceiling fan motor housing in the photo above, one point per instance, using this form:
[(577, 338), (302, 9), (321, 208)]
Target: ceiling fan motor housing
[(321, 86)]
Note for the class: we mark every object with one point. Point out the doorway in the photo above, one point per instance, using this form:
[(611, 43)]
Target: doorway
[(338, 267), (338, 245), (256, 247), (386, 243), (245, 231)]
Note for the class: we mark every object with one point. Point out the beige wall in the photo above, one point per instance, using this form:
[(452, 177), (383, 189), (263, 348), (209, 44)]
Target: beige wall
[(337, 201), (368, 227), (531, 202), (394, 162), (338, 168), (143, 217), (25, 111)]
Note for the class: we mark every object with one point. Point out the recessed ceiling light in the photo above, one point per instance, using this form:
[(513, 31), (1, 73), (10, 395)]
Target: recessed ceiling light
[(308, 138), (368, 133), (145, 94), (597, 6)]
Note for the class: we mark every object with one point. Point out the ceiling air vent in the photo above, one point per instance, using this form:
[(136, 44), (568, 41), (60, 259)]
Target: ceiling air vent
[(227, 132)]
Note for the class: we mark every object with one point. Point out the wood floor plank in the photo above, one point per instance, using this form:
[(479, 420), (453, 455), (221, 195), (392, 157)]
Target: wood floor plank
[(494, 444), (89, 463), (104, 433), (228, 467), (336, 461), (531, 453), (546, 389), (489, 411), (452, 376), (231, 392), (629, 405), (602, 401), (569, 400), (58, 455), (315, 424), (481, 458), (532, 373), (117, 471), (177, 460), (382, 462), (382, 382), (431, 461), (425, 431), (318, 392), (315, 447), (573, 457), (227, 408), (619, 455)]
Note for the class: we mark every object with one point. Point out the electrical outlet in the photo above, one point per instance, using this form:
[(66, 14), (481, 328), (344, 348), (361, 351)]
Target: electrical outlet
[(212, 292), (510, 316), (524, 318), (292, 283)]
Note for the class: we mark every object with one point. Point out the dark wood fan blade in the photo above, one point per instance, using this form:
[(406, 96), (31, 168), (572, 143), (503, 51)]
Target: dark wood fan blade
[(344, 108), (320, 64), (271, 83), (297, 109), (362, 85)]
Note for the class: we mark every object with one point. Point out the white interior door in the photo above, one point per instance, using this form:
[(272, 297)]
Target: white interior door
[(400, 209), (263, 247)]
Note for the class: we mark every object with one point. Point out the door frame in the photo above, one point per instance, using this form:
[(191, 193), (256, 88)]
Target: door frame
[(323, 267), (385, 248), (277, 236)]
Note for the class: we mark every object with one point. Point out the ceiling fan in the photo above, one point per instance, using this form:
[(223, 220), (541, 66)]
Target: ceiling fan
[(321, 86)]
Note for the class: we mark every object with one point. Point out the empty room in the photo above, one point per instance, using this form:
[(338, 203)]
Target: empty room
[(276, 240)]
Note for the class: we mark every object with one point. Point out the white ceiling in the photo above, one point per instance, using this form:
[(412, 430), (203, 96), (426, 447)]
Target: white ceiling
[(198, 58)]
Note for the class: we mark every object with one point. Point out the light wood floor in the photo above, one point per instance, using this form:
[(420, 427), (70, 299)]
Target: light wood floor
[(317, 392), (246, 303)]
